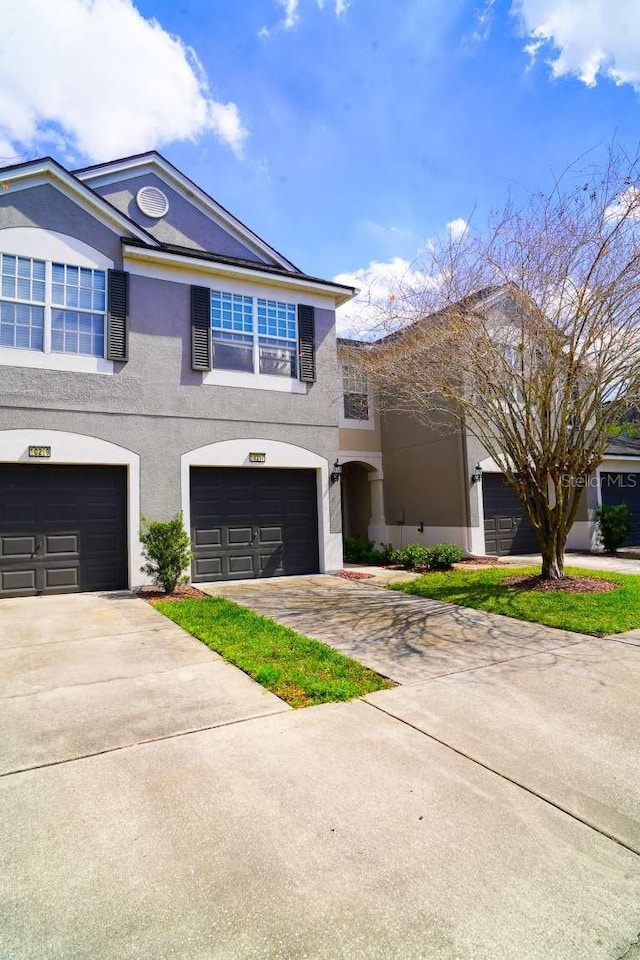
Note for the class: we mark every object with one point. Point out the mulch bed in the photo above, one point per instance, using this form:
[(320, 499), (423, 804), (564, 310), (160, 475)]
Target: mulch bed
[(480, 562), (353, 575), (152, 595), (565, 585)]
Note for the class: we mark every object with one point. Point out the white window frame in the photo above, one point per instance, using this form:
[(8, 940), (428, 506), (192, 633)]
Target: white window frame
[(255, 380), (39, 244), (348, 422)]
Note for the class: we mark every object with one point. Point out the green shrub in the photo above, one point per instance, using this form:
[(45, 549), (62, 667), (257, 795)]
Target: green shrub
[(615, 524), (166, 550), (439, 556), (442, 556), (415, 555), (357, 550)]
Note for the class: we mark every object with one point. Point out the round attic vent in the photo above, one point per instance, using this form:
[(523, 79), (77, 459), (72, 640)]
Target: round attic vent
[(152, 202)]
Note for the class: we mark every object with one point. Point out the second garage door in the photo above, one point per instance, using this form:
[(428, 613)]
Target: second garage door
[(249, 523), (506, 527)]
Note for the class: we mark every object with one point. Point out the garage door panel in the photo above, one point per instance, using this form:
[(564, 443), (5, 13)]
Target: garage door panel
[(15, 582), (270, 535), (208, 538), (18, 547), (207, 568), (57, 577), (73, 536), (240, 565), (506, 527), (258, 537)]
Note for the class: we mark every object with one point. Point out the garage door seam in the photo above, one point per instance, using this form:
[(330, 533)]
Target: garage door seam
[(503, 776)]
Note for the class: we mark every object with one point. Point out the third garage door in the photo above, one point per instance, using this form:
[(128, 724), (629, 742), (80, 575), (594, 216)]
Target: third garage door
[(506, 527), (249, 523), (618, 487)]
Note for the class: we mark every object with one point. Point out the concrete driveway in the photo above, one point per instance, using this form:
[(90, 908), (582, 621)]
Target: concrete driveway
[(86, 673), (391, 827)]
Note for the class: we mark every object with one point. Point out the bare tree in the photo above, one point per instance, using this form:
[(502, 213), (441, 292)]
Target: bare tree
[(528, 332)]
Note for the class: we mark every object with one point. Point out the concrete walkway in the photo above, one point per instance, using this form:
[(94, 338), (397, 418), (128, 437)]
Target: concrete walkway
[(412, 825), (406, 638), (586, 561)]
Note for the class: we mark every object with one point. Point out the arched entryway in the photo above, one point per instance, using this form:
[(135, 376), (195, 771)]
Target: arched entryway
[(362, 501)]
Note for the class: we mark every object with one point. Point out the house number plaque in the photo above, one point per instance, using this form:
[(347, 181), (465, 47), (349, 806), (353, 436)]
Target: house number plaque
[(41, 453), (257, 458)]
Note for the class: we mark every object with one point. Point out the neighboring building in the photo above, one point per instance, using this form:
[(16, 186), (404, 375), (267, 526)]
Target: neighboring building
[(404, 481), (156, 355)]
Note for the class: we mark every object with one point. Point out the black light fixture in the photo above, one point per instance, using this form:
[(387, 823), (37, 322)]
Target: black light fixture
[(476, 476), (336, 473)]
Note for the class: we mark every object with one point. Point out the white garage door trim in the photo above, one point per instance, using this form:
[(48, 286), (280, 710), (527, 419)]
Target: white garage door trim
[(235, 453), (76, 448)]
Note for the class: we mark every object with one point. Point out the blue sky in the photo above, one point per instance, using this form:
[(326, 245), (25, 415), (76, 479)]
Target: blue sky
[(345, 133)]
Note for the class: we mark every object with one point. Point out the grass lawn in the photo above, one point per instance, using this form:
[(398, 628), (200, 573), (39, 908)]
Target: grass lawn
[(594, 613), (301, 671)]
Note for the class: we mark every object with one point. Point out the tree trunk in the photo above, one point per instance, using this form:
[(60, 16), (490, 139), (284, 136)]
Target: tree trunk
[(553, 558)]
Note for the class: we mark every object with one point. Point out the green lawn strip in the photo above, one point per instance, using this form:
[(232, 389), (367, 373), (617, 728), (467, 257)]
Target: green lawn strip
[(299, 670), (597, 614)]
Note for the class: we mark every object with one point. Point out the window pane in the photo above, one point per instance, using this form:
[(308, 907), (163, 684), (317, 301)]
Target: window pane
[(74, 332), (356, 406), (21, 325), (8, 265), (277, 360), (233, 356), (232, 312)]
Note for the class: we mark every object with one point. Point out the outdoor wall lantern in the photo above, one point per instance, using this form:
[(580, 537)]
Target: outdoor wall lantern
[(336, 473), (476, 476)]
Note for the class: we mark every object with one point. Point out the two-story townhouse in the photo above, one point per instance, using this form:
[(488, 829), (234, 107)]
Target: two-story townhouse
[(157, 355), (404, 480)]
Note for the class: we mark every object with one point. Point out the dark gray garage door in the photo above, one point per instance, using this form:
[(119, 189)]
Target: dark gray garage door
[(623, 488), (506, 527), (253, 523), (63, 529)]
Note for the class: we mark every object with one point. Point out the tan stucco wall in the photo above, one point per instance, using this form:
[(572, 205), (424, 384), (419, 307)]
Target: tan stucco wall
[(351, 439), (424, 473)]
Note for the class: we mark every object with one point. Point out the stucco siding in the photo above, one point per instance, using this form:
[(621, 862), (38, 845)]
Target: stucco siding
[(351, 439), (183, 224), (48, 208), (424, 473)]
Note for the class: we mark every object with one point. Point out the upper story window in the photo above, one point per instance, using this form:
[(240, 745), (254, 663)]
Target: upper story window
[(52, 307), (355, 393), (254, 334)]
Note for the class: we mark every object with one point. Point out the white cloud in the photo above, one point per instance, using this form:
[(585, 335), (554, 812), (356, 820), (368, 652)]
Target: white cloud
[(109, 81), (291, 15), (585, 38), (457, 228), (381, 285)]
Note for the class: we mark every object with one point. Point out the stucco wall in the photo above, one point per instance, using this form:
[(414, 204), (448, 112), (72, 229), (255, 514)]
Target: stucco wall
[(351, 439), (155, 405), (423, 473), (183, 224), (48, 208)]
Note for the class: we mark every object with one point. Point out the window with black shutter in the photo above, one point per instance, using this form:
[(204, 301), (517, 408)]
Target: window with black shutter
[(117, 346), (200, 328), (306, 343)]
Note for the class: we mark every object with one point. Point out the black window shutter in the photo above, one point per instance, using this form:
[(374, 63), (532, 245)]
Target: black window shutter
[(118, 316), (200, 328), (306, 343)]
